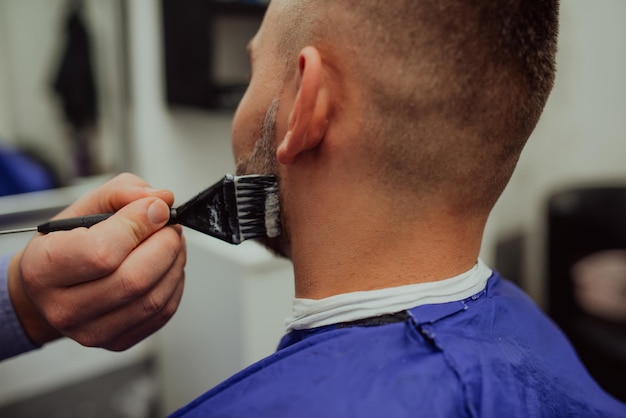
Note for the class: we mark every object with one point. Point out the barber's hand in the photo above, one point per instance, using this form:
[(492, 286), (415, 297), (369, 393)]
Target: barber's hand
[(108, 286)]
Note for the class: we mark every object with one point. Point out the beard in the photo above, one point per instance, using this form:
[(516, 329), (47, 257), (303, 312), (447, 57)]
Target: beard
[(262, 160)]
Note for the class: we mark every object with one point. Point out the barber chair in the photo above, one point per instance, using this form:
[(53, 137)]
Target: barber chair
[(586, 273)]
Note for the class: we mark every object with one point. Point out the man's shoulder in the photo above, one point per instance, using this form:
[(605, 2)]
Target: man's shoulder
[(503, 347), (493, 354)]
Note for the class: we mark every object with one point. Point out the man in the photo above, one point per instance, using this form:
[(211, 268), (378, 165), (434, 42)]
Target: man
[(108, 286), (393, 127)]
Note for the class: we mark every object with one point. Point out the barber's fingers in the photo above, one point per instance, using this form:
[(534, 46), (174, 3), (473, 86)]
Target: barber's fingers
[(133, 335), (114, 195), (67, 258), (144, 278), (127, 324), (121, 329), (162, 255)]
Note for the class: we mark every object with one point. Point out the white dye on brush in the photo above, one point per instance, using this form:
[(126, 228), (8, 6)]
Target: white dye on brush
[(272, 212), (258, 206)]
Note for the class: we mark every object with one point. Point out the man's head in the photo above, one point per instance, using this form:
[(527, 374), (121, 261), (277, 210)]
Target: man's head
[(428, 100)]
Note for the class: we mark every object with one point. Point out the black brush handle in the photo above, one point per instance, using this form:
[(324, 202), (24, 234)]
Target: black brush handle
[(84, 222), (71, 223)]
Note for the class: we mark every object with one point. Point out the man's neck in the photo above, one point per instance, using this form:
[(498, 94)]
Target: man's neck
[(345, 249)]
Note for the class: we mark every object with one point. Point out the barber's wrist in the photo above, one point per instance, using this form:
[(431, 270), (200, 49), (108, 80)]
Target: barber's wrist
[(36, 327)]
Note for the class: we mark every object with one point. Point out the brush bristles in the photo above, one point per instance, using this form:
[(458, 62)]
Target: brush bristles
[(258, 207)]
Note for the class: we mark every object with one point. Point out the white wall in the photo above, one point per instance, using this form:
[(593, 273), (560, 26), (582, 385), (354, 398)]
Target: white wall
[(581, 137), (183, 150)]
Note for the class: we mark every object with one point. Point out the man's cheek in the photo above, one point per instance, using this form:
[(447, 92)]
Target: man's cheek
[(243, 139)]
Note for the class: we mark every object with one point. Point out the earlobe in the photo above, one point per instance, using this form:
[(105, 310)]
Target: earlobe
[(309, 114)]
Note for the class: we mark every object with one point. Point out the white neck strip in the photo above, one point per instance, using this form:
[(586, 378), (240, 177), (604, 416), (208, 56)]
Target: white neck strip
[(348, 307)]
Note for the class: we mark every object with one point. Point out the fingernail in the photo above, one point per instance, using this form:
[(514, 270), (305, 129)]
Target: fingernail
[(158, 213)]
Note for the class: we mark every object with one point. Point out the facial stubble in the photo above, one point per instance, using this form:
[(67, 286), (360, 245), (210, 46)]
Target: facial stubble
[(262, 160)]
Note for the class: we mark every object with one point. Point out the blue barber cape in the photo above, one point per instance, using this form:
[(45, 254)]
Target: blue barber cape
[(492, 355)]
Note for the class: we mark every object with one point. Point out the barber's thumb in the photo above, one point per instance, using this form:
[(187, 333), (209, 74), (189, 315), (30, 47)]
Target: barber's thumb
[(158, 213)]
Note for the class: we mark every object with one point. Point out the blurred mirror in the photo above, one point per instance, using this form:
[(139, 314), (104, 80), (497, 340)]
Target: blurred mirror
[(62, 92)]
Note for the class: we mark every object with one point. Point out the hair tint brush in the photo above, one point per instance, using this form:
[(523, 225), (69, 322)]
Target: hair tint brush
[(234, 209)]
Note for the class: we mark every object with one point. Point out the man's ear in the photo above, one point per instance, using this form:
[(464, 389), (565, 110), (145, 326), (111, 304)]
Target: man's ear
[(309, 114)]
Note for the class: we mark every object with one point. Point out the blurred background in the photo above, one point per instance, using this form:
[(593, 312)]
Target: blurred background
[(95, 87)]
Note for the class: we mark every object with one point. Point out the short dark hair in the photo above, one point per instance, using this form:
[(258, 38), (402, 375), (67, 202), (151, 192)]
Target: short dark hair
[(452, 89)]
